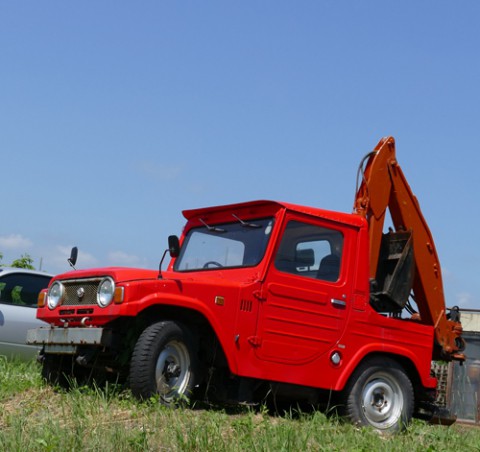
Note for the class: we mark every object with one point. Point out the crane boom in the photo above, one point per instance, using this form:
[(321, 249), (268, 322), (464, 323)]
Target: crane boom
[(384, 187)]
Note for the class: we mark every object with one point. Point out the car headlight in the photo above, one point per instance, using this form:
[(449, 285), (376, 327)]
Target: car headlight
[(105, 292), (55, 295)]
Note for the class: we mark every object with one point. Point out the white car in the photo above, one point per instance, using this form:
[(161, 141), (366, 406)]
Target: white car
[(19, 289)]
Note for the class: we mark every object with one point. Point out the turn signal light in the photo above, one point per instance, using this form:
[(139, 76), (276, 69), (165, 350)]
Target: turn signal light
[(118, 295), (41, 298)]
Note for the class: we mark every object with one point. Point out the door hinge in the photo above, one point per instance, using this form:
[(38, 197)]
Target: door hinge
[(254, 341), (258, 295)]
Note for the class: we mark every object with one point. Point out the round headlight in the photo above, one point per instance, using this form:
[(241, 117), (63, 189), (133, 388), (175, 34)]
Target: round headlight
[(105, 292), (55, 295)]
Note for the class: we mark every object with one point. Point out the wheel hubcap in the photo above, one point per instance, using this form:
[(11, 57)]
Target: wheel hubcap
[(382, 402), (172, 372)]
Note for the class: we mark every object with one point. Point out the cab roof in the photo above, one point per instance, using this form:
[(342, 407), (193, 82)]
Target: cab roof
[(346, 218)]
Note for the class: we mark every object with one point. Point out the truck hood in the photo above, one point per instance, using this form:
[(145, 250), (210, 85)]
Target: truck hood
[(119, 274)]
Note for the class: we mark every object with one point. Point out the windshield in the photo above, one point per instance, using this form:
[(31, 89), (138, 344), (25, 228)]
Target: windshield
[(238, 244)]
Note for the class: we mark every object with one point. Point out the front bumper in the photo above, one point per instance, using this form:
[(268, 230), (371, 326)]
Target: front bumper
[(57, 340)]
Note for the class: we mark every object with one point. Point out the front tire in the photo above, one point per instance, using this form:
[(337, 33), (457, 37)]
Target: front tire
[(164, 363), (380, 395)]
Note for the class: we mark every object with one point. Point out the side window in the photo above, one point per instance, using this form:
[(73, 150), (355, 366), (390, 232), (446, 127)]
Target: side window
[(310, 251), (22, 289)]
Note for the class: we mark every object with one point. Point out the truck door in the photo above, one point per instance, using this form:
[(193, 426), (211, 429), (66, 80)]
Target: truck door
[(306, 294)]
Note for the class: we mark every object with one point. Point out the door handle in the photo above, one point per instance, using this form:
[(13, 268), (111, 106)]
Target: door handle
[(338, 303)]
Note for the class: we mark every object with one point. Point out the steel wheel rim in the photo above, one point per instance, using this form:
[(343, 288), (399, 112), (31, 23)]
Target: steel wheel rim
[(382, 401), (172, 371)]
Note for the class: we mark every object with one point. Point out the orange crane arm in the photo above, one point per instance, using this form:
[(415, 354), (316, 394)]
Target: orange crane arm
[(383, 187)]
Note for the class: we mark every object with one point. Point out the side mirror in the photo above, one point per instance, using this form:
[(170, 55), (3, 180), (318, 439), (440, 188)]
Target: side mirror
[(173, 246), (173, 249), (72, 260)]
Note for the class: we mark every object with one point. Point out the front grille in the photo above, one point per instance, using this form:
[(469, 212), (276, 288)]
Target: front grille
[(72, 288)]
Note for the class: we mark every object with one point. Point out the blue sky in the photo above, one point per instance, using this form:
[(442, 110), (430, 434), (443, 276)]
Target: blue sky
[(116, 116)]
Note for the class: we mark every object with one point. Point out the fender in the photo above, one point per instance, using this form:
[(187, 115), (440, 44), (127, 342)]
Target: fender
[(421, 364), (194, 304)]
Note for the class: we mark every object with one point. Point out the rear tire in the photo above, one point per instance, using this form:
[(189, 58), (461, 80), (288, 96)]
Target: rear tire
[(380, 395), (164, 363)]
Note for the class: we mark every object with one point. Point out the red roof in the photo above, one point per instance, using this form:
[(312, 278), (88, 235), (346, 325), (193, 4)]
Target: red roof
[(346, 218)]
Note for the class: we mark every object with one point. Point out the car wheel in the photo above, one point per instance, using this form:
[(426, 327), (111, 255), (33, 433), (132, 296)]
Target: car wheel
[(164, 362), (380, 395)]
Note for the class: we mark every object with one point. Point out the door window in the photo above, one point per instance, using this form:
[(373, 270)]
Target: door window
[(310, 251)]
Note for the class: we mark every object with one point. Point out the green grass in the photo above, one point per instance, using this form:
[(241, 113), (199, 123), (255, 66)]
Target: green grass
[(37, 418)]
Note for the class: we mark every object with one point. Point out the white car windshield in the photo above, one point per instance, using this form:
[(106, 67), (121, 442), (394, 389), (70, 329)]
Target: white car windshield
[(226, 245)]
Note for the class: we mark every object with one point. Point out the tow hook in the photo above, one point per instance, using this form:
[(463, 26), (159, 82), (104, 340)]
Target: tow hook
[(84, 359)]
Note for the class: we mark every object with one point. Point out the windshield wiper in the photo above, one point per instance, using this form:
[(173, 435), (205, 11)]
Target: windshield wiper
[(211, 228), (246, 224)]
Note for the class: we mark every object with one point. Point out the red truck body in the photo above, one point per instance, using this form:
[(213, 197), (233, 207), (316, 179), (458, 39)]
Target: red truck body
[(248, 291)]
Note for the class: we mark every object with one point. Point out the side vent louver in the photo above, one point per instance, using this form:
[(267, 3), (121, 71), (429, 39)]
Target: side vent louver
[(246, 305)]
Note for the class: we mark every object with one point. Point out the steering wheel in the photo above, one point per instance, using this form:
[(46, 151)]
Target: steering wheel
[(214, 263)]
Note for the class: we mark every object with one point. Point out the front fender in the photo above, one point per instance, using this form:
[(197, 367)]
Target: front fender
[(190, 303)]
